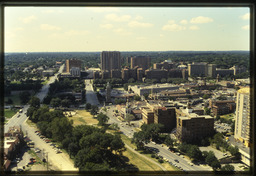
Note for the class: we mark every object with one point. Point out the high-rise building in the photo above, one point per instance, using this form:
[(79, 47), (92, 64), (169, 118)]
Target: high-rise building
[(242, 124), (110, 60), (140, 61), (211, 70), (73, 63), (197, 69)]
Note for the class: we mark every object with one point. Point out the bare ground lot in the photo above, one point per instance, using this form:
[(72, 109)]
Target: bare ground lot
[(81, 117)]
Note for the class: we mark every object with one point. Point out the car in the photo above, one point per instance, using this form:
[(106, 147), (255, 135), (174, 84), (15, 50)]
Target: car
[(176, 160), (20, 170)]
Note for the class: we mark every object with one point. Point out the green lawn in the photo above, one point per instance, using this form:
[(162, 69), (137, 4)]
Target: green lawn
[(9, 113), (228, 116)]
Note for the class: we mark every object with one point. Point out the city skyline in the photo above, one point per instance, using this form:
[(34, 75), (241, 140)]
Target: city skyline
[(89, 29)]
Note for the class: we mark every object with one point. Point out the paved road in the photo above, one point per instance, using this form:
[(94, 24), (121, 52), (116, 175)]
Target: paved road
[(183, 162), (91, 97)]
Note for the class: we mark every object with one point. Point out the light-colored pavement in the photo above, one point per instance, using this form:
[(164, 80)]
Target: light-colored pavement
[(91, 97), (60, 160), (217, 153)]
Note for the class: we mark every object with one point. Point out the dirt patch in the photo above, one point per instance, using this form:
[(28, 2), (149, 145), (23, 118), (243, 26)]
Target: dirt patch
[(81, 117)]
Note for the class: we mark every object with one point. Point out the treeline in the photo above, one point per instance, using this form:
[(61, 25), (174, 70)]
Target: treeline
[(22, 85), (91, 148)]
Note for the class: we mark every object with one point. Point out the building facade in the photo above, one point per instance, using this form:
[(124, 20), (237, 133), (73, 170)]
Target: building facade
[(73, 63), (242, 124), (194, 128), (110, 60), (141, 61)]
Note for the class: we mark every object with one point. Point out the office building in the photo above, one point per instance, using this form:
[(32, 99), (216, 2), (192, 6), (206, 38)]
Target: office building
[(141, 61), (242, 123), (197, 69), (110, 60), (165, 116), (73, 63), (193, 128), (156, 74)]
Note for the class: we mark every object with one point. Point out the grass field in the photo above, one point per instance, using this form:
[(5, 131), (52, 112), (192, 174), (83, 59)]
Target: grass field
[(228, 116), (83, 117), (141, 163), (9, 113)]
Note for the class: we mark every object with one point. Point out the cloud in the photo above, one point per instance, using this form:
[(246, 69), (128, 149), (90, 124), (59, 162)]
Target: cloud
[(77, 32), (139, 24), (245, 16), (161, 35), (171, 21), (19, 29), (183, 22), (27, 19), (246, 27), (106, 26), (48, 27), (114, 17), (138, 18), (103, 9), (47, 11), (201, 19), (141, 38), (122, 31), (173, 27), (193, 28)]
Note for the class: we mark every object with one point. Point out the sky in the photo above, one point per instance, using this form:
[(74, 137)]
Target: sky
[(86, 29)]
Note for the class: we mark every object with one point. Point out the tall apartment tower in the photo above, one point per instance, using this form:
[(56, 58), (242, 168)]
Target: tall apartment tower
[(140, 61), (73, 63), (110, 60), (242, 124)]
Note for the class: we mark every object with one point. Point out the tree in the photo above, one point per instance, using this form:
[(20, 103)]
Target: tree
[(215, 164), (194, 152), (34, 102), (102, 118), (129, 118), (55, 102), (24, 97), (146, 95), (207, 111), (206, 96), (234, 151), (228, 168), (65, 103), (131, 80), (139, 138), (117, 144), (60, 127), (88, 106), (169, 141), (137, 98), (94, 110), (163, 80)]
